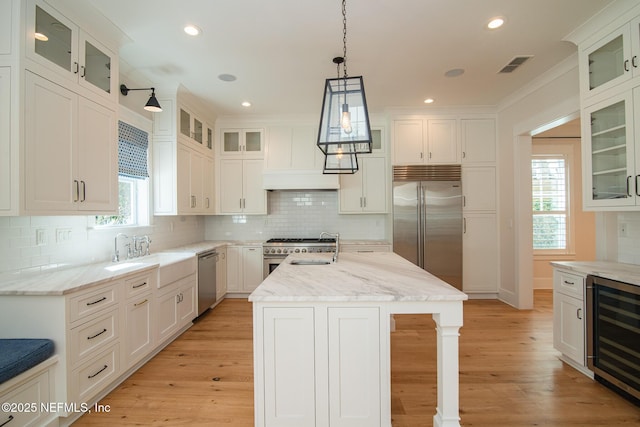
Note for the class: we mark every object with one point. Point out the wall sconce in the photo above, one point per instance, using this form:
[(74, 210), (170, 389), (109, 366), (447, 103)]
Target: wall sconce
[(152, 104)]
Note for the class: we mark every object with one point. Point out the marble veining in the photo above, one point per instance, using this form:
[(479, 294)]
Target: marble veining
[(628, 273), (376, 276)]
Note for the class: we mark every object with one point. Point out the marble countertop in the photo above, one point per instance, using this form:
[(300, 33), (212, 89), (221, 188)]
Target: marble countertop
[(377, 276), (628, 273)]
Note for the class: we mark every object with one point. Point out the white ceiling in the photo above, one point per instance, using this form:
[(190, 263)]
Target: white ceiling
[(281, 50)]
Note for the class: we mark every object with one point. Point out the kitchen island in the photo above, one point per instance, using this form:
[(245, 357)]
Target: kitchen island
[(322, 339)]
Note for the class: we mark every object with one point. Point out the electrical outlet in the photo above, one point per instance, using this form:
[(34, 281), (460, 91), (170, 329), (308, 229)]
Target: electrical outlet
[(41, 237), (622, 229), (63, 235)]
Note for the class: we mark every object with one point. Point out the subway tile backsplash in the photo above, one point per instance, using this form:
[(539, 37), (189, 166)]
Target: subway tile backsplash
[(297, 214), (46, 242)]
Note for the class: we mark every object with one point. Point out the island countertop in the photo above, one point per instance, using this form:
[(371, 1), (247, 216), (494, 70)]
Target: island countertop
[(356, 277)]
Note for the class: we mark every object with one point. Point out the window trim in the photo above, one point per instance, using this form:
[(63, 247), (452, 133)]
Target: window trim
[(146, 124), (560, 147)]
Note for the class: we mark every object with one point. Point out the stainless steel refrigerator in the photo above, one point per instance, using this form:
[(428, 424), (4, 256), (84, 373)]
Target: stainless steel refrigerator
[(427, 219)]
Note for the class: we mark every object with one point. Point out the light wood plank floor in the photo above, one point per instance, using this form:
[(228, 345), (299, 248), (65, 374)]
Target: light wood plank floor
[(509, 375)]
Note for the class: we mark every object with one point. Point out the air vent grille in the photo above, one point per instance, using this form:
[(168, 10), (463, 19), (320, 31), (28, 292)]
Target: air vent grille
[(515, 63), (426, 173)]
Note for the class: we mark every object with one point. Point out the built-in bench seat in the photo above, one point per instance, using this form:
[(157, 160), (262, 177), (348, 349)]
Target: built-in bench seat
[(20, 355)]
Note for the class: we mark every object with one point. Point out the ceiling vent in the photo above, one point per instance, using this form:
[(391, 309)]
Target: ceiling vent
[(515, 63)]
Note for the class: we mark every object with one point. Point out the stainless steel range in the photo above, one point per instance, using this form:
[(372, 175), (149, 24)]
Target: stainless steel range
[(276, 250)]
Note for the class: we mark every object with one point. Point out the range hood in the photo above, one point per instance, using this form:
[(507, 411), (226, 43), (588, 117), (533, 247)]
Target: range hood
[(299, 180)]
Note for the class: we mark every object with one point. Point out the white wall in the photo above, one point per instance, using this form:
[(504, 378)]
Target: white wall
[(297, 214), (554, 96)]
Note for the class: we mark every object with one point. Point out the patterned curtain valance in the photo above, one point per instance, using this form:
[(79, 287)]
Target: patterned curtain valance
[(132, 151)]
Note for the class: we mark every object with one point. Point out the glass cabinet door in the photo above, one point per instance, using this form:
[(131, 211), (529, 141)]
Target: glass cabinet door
[(197, 130), (231, 141), (54, 40), (253, 141), (209, 138), (607, 63), (185, 123), (97, 67), (610, 156)]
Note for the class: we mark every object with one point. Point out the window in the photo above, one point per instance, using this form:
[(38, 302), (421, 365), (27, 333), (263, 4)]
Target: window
[(133, 179), (550, 202)]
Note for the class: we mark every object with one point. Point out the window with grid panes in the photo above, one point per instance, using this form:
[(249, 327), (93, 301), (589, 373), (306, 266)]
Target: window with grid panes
[(550, 202)]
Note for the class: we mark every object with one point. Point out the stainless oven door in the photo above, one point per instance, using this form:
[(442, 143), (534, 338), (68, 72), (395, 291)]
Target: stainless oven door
[(270, 264)]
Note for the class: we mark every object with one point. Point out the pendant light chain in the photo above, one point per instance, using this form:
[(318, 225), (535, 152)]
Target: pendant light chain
[(344, 35)]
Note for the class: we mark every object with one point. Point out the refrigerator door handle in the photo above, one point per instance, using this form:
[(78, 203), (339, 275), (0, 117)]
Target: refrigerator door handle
[(420, 203)]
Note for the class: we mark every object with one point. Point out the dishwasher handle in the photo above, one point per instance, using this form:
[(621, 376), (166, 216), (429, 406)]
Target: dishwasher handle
[(209, 255)]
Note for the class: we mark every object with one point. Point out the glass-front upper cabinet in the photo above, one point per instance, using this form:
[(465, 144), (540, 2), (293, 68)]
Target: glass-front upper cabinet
[(244, 143), (209, 138), (612, 60), (56, 45), (609, 178)]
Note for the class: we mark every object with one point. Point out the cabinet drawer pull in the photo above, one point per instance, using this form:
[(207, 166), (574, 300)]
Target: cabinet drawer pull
[(8, 421), (626, 65), (84, 191), (634, 62), (97, 335), (98, 373), (140, 285), (629, 186), (579, 313), (75, 68), (637, 185), (566, 282), (138, 304), (77, 185), (84, 71), (97, 301)]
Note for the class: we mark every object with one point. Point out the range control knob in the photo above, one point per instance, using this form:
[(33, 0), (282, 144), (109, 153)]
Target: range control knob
[(297, 250), (305, 250), (279, 250)]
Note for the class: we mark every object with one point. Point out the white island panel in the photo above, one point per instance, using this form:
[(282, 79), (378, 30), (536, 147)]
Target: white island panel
[(343, 379)]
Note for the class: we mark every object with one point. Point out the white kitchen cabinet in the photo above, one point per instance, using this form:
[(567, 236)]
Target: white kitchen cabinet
[(479, 188), (139, 317), (6, 149), (176, 307), (242, 143), (293, 148), (611, 157), (240, 187), (569, 317), (480, 253), (478, 141), (366, 190), (319, 357), (221, 273), (610, 61), (244, 268), (6, 28), (70, 53), (428, 141), (70, 151)]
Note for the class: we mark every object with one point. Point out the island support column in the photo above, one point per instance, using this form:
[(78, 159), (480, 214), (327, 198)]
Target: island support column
[(448, 323)]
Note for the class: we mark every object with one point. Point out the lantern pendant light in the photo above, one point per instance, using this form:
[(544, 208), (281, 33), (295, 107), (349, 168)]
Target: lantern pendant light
[(344, 124)]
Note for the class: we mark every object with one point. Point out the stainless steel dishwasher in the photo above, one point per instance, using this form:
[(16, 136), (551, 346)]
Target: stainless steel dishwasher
[(206, 280)]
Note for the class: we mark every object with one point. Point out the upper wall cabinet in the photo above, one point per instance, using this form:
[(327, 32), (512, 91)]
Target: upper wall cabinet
[(611, 156), (612, 60), (6, 27), (478, 141), (5, 140), (242, 143), (429, 141), (60, 49)]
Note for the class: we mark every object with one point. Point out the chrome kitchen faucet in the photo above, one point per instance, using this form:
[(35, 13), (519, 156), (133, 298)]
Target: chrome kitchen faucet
[(337, 236)]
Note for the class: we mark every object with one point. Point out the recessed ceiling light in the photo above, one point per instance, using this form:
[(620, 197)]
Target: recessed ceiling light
[(454, 72), (246, 104), (192, 30), (41, 37), (429, 101), (495, 23), (227, 77)]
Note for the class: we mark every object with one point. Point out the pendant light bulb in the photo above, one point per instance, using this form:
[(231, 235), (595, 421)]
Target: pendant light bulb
[(345, 121), (339, 155)]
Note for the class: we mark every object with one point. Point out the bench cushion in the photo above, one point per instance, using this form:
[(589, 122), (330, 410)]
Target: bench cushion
[(19, 355)]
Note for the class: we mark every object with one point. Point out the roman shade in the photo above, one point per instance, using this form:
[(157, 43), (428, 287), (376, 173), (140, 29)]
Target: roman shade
[(132, 151)]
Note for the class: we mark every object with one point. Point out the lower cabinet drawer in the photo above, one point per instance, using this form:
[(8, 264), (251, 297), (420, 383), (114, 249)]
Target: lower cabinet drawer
[(91, 377), (24, 403), (569, 284), (93, 335), (92, 301)]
